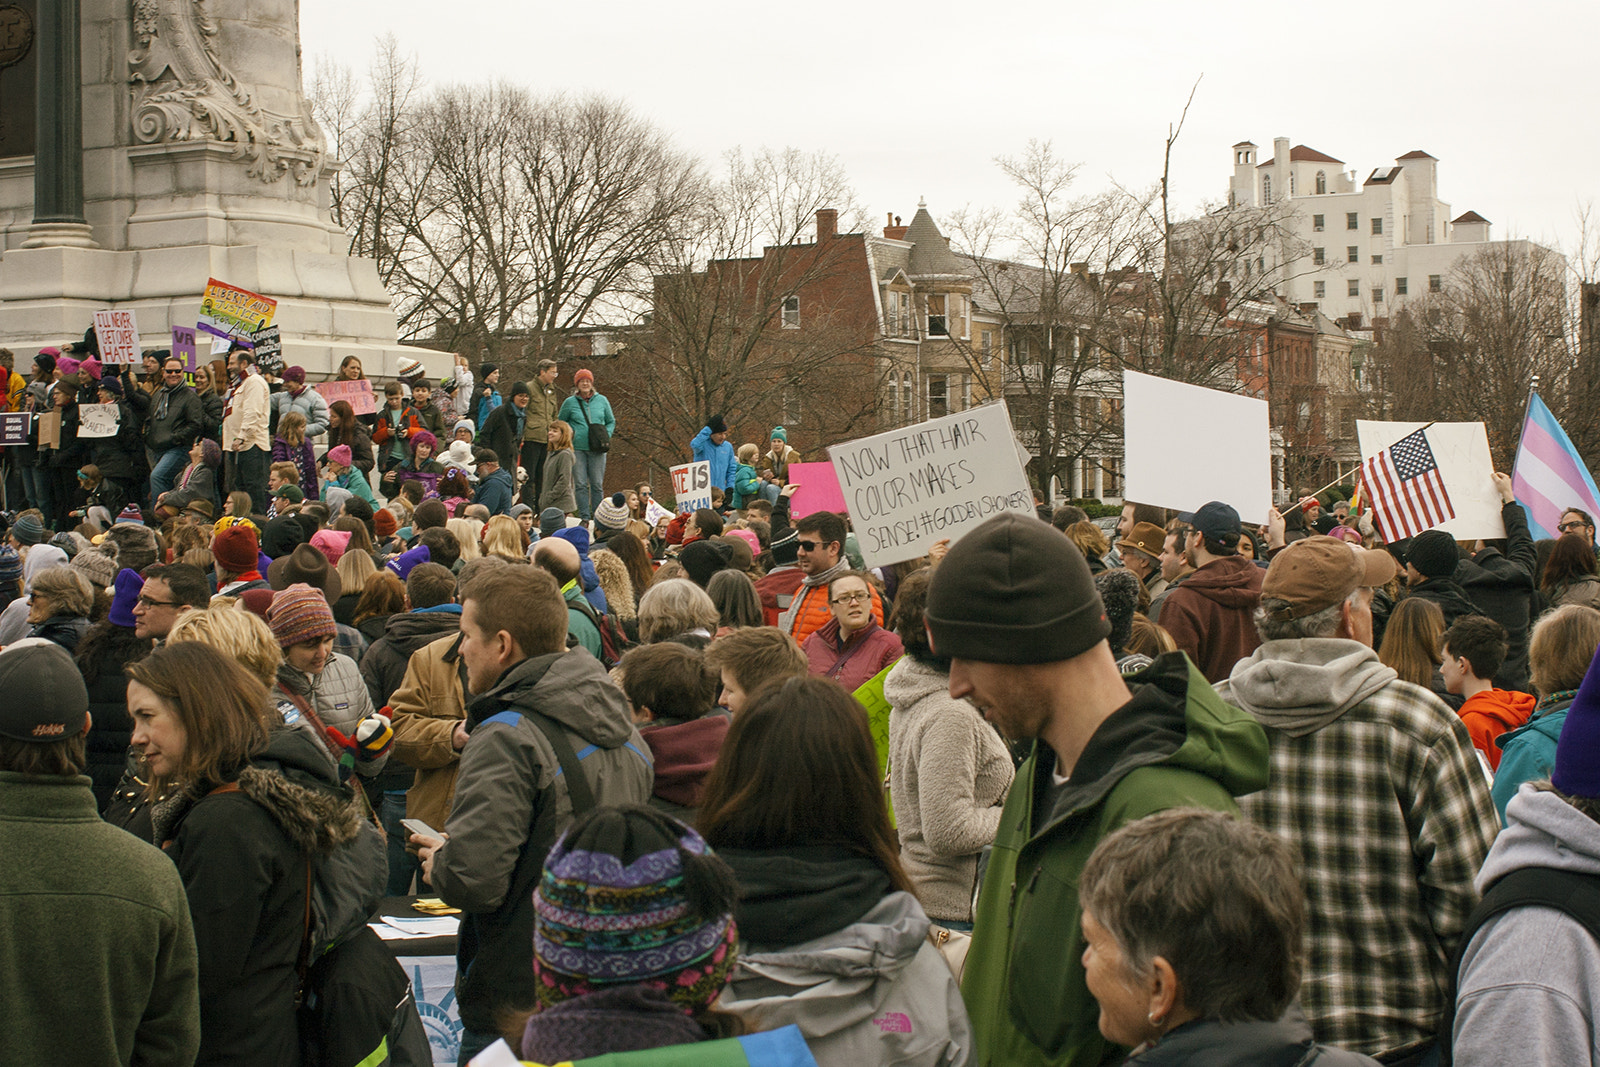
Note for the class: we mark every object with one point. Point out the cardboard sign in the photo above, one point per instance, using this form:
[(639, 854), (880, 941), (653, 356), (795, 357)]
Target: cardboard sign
[(269, 350), (184, 347), (117, 334), (50, 429), (691, 485), (232, 313), (14, 428), (98, 420), (1462, 451), (908, 488), (819, 489), (1223, 447), (358, 393)]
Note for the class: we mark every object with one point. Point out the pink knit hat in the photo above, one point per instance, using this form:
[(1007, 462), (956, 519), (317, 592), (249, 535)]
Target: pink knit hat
[(331, 543), (340, 454)]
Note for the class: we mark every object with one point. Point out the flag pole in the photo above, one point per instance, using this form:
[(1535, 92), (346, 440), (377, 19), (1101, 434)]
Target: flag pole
[(1358, 466), (1527, 409)]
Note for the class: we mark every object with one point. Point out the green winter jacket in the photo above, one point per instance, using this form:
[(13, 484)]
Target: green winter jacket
[(746, 486), (1175, 744)]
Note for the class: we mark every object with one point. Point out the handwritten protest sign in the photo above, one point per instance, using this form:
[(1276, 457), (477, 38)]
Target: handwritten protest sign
[(691, 485), (819, 489), (269, 350), (358, 393), (228, 311), (1462, 451), (908, 488), (14, 428), (98, 420), (117, 334), (183, 346), (1231, 457)]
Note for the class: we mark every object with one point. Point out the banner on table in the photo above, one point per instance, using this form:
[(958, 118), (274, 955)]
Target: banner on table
[(117, 334), (908, 488), (1185, 446), (14, 428), (1461, 450), (691, 485), (358, 393), (232, 313), (819, 489), (184, 347), (98, 420)]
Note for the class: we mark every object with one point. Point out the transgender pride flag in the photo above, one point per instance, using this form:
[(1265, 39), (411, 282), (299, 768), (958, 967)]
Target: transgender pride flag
[(1550, 476)]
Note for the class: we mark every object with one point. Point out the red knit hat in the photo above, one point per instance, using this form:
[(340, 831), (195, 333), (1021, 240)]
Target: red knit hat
[(384, 524), (236, 548)]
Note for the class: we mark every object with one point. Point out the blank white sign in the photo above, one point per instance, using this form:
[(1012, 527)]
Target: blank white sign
[(1187, 445)]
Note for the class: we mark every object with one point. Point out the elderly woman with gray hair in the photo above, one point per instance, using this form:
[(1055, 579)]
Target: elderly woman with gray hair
[(1194, 923)]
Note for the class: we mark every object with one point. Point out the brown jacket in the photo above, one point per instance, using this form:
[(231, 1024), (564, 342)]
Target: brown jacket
[(1211, 616), (426, 708)]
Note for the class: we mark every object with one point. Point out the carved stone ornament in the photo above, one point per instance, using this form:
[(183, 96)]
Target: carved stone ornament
[(184, 92)]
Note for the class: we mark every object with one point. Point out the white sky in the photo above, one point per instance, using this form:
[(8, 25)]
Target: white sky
[(916, 100)]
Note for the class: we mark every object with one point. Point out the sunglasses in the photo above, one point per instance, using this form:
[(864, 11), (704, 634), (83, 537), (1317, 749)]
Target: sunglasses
[(812, 546)]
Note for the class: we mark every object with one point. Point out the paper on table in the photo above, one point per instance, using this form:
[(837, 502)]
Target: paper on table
[(446, 926), (392, 933)]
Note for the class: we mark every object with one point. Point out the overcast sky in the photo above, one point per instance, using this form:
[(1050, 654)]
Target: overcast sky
[(917, 100)]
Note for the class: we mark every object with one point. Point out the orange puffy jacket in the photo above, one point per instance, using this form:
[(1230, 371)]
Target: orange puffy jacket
[(811, 612)]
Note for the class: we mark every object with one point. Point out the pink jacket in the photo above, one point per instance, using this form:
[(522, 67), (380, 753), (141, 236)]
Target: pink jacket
[(869, 651)]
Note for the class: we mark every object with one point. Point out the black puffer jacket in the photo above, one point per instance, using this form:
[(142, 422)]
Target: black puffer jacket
[(243, 850)]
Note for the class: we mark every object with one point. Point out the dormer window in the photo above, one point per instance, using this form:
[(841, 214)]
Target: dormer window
[(1322, 182), (937, 323)]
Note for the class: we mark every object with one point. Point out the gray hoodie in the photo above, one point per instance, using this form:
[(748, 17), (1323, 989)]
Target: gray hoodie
[(1302, 685), (1530, 979), (875, 992)]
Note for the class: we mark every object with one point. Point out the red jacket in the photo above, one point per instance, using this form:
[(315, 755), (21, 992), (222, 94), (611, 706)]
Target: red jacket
[(408, 419), (1211, 616), (776, 590), (866, 653), (1494, 712)]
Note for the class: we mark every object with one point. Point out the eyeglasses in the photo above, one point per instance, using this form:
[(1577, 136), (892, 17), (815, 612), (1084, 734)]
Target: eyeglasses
[(1575, 524), (851, 598), (146, 602)]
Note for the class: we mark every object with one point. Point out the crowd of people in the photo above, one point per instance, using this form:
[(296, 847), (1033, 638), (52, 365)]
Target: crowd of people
[(1200, 792)]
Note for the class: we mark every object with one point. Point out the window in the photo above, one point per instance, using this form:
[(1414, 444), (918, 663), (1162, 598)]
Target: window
[(1291, 183), (1316, 220), (1322, 186), (1399, 287), (1435, 283), (1377, 261), (791, 313), (938, 396), (894, 395), (1353, 254), (1266, 188), (908, 412), (1353, 287), (1377, 227), (791, 405), (1319, 290), (1377, 294), (1505, 279), (1351, 222), (937, 326), (985, 341), (957, 305), (896, 313), (1319, 256)]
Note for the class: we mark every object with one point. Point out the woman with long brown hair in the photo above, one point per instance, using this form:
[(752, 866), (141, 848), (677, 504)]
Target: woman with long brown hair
[(1569, 575), (1411, 644), (345, 429), (795, 806)]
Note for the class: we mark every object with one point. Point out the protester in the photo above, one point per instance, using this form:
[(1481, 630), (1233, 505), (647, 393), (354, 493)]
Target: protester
[(737, 603), (747, 660), (107, 647), (340, 471), (677, 610), (673, 694), (196, 483), (496, 489), (237, 552), (420, 447), (1432, 558), (1119, 591), (1210, 615), (950, 769), (396, 423), (1141, 554), (711, 445), (776, 461), (382, 596), (593, 426), (1175, 566), (175, 420), (1195, 924), (1134, 514), (534, 706), (634, 939), (556, 478), (851, 647), (311, 405), (98, 947), (544, 404), (1411, 644), (1388, 900), (169, 590), (1498, 578), (345, 429), (795, 807), (1014, 607), (1559, 654), (59, 603), (246, 443), (1569, 576), (1091, 542), (1471, 652), (821, 559), (617, 585)]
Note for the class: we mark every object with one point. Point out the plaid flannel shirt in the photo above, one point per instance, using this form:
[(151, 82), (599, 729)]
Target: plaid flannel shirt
[(1392, 818)]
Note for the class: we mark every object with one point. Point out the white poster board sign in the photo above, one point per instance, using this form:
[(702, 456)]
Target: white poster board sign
[(98, 420), (691, 485), (1186, 445), (908, 488), (117, 334), (1462, 451)]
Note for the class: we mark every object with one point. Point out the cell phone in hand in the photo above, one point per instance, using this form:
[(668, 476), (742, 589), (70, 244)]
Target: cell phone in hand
[(421, 829)]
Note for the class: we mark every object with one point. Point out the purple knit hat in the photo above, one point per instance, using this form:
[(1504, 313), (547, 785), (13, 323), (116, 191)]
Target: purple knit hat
[(127, 588), (1577, 769)]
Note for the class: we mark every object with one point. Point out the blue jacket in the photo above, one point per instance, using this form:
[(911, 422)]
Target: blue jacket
[(497, 492), (1528, 753), (723, 464), (485, 406), (599, 411), (587, 578)]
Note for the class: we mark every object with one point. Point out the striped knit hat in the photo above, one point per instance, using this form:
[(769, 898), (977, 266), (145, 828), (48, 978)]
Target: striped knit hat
[(631, 896), (300, 613)]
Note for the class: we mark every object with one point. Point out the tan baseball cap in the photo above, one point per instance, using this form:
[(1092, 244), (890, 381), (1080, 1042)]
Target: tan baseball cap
[(1319, 572), (1147, 537)]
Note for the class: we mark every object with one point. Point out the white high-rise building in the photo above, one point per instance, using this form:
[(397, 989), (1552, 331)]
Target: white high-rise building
[(1356, 249)]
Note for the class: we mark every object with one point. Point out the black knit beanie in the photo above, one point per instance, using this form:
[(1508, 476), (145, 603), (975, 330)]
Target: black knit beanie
[(786, 549), (1119, 592), (1014, 591), (1434, 554)]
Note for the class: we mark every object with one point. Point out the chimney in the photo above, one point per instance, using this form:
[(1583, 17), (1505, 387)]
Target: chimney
[(1309, 309), (827, 224), (1081, 269), (895, 231)]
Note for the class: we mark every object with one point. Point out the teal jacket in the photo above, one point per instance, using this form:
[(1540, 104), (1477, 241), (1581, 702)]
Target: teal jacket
[(1175, 744), (578, 623), (599, 410), (1527, 754), (355, 480), (746, 486)]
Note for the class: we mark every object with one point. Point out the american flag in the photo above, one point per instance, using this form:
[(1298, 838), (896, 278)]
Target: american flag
[(1405, 489)]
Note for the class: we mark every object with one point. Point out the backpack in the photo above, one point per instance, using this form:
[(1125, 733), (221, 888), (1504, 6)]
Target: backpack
[(1576, 895), (614, 642)]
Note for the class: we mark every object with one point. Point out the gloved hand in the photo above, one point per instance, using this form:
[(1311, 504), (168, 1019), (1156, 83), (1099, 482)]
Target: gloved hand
[(374, 737)]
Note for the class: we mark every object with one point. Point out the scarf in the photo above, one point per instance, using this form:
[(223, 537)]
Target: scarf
[(811, 581)]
